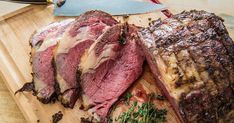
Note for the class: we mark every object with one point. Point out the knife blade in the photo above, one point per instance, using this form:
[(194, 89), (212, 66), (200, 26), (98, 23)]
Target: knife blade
[(114, 7)]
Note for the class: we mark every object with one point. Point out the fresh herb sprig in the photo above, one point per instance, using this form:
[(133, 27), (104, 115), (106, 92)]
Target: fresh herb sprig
[(145, 113)]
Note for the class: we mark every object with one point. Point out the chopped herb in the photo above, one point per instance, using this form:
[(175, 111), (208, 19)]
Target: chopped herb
[(160, 97), (135, 103), (127, 97)]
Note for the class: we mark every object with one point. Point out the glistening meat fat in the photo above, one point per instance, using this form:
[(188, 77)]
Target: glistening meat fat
[(75, 40), (191, 57), (109, 67)]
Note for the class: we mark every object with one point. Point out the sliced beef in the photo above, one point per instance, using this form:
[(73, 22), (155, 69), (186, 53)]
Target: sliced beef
[(191, 57), (43, 43), (76, 39), (109, 67)]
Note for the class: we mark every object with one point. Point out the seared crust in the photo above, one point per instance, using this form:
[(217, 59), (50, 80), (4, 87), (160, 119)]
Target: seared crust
[(196, 52)]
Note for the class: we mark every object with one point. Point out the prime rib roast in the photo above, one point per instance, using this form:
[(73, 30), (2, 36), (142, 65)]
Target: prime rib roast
[(96, 59), (192, 58)]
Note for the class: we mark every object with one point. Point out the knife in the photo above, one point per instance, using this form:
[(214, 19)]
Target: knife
[(39, 2), (114, 7)]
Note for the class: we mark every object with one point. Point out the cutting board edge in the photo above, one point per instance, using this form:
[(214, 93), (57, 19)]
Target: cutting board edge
[(6, 64), (14, 13)]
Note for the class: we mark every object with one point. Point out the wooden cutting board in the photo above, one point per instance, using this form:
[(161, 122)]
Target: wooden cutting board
[(16, 70)]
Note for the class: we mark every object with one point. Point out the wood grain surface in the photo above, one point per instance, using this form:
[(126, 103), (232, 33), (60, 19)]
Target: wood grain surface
[(9, 111), (14, 54)]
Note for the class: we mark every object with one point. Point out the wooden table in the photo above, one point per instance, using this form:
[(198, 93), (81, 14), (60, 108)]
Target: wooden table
[(10, 113)]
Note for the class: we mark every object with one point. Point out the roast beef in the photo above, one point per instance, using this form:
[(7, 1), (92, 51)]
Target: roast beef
[(75, 40), (43, 43), (110, 66), (191, 56)]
